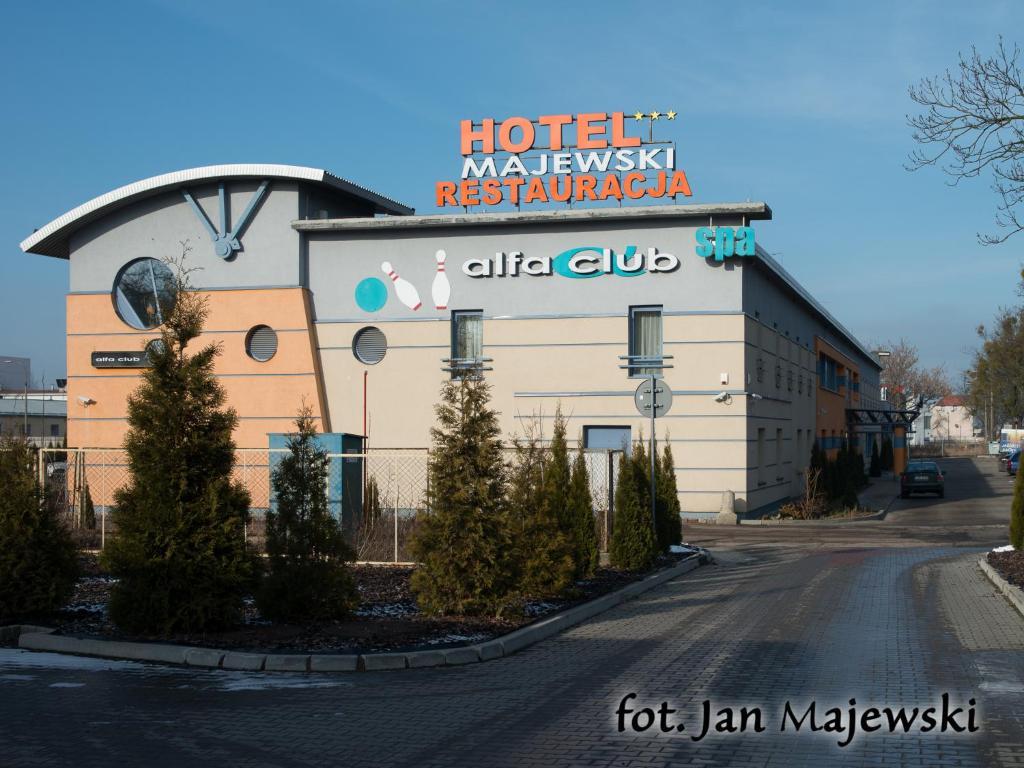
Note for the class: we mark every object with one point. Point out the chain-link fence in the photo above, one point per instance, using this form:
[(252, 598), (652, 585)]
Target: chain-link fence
[(380, 496)]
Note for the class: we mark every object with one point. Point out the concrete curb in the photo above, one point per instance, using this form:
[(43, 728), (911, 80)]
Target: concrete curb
[(40, 639), (1014, 594), (880, 515)]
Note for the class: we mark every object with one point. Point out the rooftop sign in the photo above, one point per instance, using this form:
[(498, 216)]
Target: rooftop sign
[(565, 159)]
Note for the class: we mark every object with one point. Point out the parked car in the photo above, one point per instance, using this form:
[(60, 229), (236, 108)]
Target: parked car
[(922, 477), (1013, 463)]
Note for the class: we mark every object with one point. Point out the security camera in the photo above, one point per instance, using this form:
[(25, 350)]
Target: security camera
[(723, 397), (755, 396), (84, 400)]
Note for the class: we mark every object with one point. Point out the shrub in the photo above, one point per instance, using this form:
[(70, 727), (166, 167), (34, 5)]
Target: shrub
[(38, 561), (875, 469), (543, 554), (581, 513), (180, 552), (1017, 513), (633, 546), (669, 513), (308, 578), (463, 547), (887, 457)]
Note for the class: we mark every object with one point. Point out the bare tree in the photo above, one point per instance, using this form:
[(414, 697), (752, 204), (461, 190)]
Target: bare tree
[(973, 120), (906, 381)]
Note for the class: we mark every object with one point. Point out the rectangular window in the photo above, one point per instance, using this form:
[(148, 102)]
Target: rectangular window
[(828, 373), (778, 447), (607, 438), (55, 430), (467, 340), (645, 340)]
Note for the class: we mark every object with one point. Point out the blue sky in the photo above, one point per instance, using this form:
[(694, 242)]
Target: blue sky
[(799, 104)]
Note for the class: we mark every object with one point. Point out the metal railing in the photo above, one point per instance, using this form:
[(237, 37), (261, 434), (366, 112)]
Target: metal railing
[(379, 524)]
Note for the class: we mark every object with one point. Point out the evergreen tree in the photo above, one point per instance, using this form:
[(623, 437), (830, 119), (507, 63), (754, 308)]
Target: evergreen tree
[(887, 457), (633, 546), (179, 554), (847, 471), (556, 476), (875, 469), (670, 524), (1017, 513), (372, 507), (38, 561), (541, 551), (581, 512), (463, 546), (308, 578), (88, 516)]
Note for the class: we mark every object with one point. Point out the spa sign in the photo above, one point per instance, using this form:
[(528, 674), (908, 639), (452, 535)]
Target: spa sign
[(591, 156)]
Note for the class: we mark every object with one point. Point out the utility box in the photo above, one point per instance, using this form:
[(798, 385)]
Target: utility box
[(344, 480)]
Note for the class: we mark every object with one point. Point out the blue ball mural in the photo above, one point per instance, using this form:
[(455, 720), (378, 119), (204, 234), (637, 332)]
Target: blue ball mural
[(371, 294)]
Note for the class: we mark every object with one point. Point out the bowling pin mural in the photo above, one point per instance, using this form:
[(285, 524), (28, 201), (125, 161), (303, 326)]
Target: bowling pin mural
[(441, 289), (406, 291)]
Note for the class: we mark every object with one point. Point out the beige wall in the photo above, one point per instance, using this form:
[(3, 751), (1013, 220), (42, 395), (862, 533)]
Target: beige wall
[(540, 364)]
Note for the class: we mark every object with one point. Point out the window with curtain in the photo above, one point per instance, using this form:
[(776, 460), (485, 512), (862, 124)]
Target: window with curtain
[(467, 339), (644, 339)]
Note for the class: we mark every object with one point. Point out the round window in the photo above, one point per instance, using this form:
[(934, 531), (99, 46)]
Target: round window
[(369, 345), (143, 293), (261, 343)]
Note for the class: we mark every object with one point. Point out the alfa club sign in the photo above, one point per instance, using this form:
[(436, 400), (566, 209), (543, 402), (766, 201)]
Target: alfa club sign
[(562, 158)]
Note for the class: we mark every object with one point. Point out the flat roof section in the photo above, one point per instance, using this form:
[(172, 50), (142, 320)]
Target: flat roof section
[(751, 211), (52, 239)]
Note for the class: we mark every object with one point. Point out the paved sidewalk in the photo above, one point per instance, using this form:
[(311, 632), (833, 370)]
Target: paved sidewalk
[(889, 625), (881, 492)]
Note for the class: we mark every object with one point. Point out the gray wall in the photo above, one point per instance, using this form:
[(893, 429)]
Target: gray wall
[(337, 261), (156, 227), (771, 303)]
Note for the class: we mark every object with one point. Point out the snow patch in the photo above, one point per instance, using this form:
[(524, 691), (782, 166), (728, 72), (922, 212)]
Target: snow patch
[(539, 608), (388, 610), (67, 685), (458, 638), (1007, 548), (16, 657), (269, 682)]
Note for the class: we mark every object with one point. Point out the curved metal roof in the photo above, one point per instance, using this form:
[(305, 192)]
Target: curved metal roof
[(52, 239)]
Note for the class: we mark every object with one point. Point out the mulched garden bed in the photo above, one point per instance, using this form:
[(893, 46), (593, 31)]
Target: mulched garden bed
[(1009, 565), (386, 620)]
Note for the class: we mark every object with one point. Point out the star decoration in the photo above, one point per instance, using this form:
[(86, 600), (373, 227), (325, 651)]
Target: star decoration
[(671, 115), (655, 115), (638, 116)]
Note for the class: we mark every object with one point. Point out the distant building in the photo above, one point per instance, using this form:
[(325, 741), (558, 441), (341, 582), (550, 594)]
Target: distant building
[(43, 416), (15, 373), (947, 420)]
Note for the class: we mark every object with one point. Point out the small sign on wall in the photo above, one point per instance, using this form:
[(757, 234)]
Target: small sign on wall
[(137, 359)]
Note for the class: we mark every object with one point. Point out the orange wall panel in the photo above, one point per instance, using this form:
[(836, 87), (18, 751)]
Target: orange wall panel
[(266, 395)]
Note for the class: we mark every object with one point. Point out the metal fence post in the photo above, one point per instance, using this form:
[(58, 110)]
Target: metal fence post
[(610, 506), (397, 491)]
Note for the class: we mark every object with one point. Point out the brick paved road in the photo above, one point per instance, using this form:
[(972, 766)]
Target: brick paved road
[(893, 615)]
